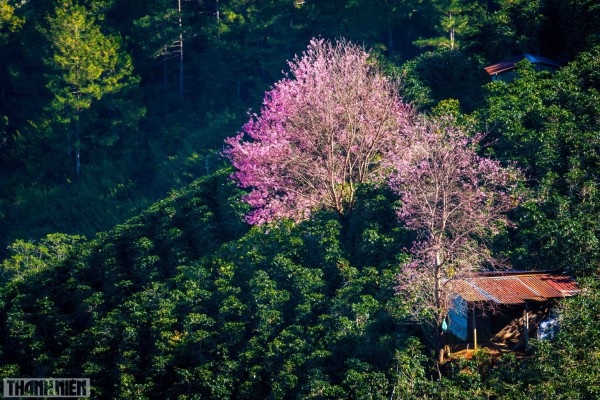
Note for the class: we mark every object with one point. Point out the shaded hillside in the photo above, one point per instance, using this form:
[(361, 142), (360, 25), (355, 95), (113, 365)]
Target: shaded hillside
[(184, 300)]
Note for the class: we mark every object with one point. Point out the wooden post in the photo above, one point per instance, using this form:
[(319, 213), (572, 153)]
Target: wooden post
[(474, 328), (526, 326)]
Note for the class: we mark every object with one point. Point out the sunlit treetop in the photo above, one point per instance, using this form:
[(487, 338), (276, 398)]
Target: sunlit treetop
[(330, 125)]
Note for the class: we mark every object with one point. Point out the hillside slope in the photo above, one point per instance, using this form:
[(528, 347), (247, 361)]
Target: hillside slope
[(184, 300)]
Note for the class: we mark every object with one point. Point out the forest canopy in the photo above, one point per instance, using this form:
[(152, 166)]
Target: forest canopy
[(127, 256)]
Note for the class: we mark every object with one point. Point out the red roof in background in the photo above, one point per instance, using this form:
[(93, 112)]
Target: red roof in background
[(507, 65), (515, 287)]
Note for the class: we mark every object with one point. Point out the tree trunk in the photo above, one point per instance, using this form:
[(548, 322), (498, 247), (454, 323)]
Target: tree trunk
[(439, 345), (207, 165), (77, 159), (165, 69), (77, 147), (438, 304), (181, 72), (451, 33), (69, 149), (180, 52), (218, 18)]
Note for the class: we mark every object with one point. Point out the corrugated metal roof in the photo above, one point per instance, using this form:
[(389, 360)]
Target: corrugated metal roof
[(507, 65), (542, 285), (515, 288), (507, 290), (566, 285), (467, 291), (502, 66)]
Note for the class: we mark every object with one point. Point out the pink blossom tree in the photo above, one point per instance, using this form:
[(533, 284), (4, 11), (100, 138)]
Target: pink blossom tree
[(455, 200), (330, 125)]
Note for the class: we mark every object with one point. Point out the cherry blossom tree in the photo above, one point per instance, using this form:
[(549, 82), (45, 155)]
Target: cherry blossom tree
[(331, 124), (455, 200)]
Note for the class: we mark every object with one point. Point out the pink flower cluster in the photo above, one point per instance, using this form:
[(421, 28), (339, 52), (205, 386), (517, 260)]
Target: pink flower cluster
[(455, 199), (336, 122), (329, 126)]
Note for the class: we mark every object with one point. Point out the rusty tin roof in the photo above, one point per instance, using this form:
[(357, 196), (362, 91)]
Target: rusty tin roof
[(515, 287), (507, 65)]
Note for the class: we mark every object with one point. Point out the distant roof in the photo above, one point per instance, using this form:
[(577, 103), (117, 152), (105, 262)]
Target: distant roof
[(509, 64), (515, 287)]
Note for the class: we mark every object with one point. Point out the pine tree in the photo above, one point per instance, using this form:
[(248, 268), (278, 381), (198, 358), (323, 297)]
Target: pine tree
[(87, 64), (453, 22)]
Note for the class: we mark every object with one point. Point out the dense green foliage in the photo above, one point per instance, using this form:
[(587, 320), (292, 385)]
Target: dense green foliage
[(144, 130), (185, 300), (549, 124)]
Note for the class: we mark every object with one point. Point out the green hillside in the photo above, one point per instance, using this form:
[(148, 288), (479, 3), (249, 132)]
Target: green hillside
[(184, 300), (109, 106)]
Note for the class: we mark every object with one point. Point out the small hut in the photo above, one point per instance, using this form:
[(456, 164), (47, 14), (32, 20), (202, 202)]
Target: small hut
[(505, 70), (506, 307)]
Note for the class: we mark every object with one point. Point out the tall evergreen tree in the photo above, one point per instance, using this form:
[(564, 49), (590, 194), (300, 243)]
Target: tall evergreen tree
[(9, 23), (87, 66), (453, 22)]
